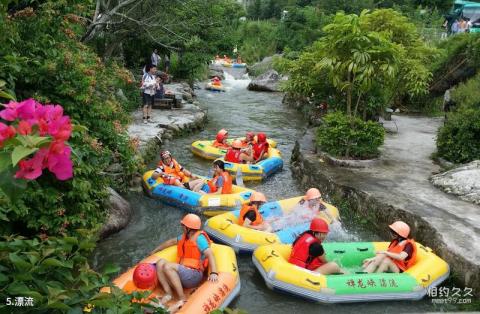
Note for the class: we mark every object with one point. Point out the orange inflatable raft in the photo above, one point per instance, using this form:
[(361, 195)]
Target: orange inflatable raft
[(205, 298)]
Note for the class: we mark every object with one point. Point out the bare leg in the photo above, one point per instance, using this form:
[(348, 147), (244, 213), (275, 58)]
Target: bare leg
[(145, 112), (161, 263), (387, 264), (171, 270), (196, 185), (375, 263), (149, 111), (329, 268), (266, 227)]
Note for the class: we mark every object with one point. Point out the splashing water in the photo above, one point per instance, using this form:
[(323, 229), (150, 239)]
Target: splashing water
[(231, 82)]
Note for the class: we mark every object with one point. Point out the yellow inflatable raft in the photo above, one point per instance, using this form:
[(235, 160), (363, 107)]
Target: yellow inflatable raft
[(205, 298), (225, 227), (214, 87), (259, 171), (205, 149), (272, 262), (207, 204)]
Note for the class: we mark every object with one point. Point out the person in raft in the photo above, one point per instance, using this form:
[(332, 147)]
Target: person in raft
[(216, 81), (194, 256), (306, 255), (250, 216), (311, 204), (249, 140), (400, 255), (221, 139), (174, 174), (238, 155), (221, 182), (260, 148)]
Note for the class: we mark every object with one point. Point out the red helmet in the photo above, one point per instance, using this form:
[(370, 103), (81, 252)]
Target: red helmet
[(319, 225), (261, 137), (250, 135), (221, 135), (145, 276)]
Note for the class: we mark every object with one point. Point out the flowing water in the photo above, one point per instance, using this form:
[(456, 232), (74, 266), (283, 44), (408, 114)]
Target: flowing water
[(237, 110)]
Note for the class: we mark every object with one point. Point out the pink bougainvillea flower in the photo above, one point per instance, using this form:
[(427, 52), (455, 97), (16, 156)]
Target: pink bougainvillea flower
[(24, 128), (60, 129), (57, 147), (49, 112), (10, 112), (26, 109), (61, 165), (6, 132), (31, 169)]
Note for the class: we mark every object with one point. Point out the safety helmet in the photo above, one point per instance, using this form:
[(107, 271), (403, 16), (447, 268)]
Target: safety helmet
[(165, 154), (221, 135), (191, 221), (237, 144), (401, 228), (258, 197), (319, 225), (145, 276), (261, 137), (250, 135), (311, 194)]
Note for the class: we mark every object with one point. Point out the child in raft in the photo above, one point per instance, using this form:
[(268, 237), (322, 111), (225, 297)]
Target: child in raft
[(221, 182), (306, 210), (239, 155), (400, 255), (250, 216), (221, 139)]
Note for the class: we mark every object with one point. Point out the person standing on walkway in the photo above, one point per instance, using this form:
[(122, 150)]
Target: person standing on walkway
[(149, 84), (455, 27), (155, 58), (447, 102), (167, 63)]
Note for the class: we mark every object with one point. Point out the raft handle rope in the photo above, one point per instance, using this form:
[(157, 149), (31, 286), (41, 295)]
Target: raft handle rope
[(339, 252), (234, 267), (269, 241), (316, 283), (426, 280), (362, 249)]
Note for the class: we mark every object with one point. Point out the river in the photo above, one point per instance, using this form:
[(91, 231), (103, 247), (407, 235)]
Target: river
[(238, 110)]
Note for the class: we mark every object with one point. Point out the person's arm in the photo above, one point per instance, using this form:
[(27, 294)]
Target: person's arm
[(219, 185), (398, 256), (164, 245), (213, 277)]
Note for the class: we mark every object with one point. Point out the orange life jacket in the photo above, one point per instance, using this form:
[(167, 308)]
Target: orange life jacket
[(398, 247), (300, 255), (227, 183), (244, 210), (173, 171), (233, 155), (219, 144), (188, 253), (258, 148)]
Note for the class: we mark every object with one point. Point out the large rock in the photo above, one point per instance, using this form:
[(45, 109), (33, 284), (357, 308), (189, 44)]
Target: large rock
[(267, 82), (463, 181), (119, 214)]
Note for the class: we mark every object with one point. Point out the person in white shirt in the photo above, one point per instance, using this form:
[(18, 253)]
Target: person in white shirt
[(149, 84), (155, 58)]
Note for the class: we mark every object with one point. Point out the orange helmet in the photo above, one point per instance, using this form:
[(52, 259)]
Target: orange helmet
[(319, 225), (258, 197), (145, 276), (237, 144), (192, 221), (311, 194), (261, 137), (401, 228)]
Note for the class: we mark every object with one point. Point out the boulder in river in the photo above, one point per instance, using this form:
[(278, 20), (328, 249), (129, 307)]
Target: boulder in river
[(119, 214), (463, 181), (267, 82)]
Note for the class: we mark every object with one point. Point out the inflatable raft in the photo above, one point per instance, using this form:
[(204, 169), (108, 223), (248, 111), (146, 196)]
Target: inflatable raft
[(225, 228), (214, 88), (207, 204), (260, 170), (202, 300), (205, 149), (429, 271), (239, 65)]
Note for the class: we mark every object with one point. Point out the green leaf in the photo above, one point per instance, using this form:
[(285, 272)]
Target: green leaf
[(4, 161), (3, 278), (17, 288), (6, 95), (19, 263), (55, 263), (21, 152), (58, 305), (111, 269), (79, 128)]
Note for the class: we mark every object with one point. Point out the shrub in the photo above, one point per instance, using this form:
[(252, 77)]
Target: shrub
[(343, 137), (457, 140), (56, 275), (467, 95)]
